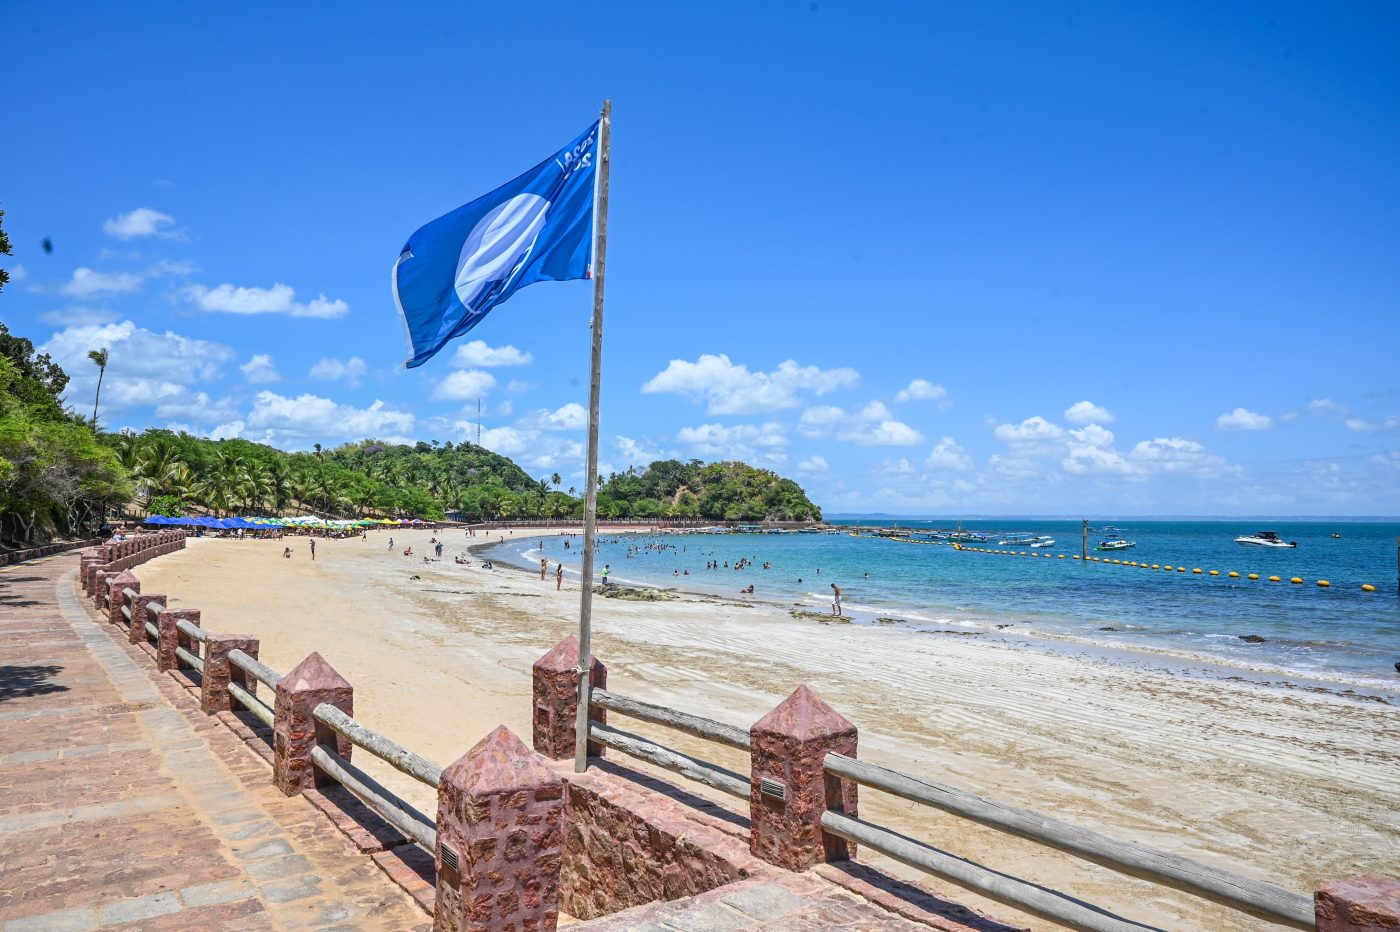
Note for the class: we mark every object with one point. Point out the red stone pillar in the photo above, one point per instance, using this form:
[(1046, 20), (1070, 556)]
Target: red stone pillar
[(500, 838), (790, 791), (99, 587), (117, 586), (170, 636), (219, 672), (556, 700), (295, 731), (139, 615), (1369, 903), (86, 564)]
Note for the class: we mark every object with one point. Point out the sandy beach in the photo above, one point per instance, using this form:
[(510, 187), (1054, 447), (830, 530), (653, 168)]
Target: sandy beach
[(1298, 786)]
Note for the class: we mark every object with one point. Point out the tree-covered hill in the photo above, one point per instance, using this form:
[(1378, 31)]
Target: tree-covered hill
[(728, 491)]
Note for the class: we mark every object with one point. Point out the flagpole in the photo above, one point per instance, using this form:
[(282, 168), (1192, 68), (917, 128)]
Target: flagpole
[(590, 497)]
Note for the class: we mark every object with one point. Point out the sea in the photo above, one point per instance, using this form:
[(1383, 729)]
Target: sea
[(1339, 633)]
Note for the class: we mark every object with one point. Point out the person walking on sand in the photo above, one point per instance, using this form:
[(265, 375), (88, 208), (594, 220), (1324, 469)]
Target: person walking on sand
[(605, 574), (836, 600), (559, 578), (313, 548), (391, 543)]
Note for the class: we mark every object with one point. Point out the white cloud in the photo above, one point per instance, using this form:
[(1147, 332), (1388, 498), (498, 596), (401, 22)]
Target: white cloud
[(331, 369), (753, 443), (813, 466), (1243, 419), (464, 385), (476, 354), (1325, 406), (730, 388), (1361, 424), (143, 221), (87, 282), (307, 418), (260, 369), (1086, 412), (1091, 451), (517, 386), (636, 453), (19, 273), (530, 448), (1179, 455), (870, 426), (146, 368), (198, 408), (279, 299), (923, 390), (949, 456), (1034, 430), (569, 417)]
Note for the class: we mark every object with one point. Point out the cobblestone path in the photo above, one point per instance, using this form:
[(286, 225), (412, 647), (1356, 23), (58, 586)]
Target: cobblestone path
[(120, 809)]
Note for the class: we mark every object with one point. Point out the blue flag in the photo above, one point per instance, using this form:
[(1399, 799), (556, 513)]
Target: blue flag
[(537, 228)]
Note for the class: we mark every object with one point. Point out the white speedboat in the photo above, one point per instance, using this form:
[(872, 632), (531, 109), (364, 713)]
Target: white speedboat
[(1042, 542), (1016, 540), (1265, 539), (1115, 543)]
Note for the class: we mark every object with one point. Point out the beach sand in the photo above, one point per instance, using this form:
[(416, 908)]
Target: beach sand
[(1297, 786)]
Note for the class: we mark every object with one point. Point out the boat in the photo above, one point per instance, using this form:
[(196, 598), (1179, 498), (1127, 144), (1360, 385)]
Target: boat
[(1042, 542), (1115, 543), (1265, 539), (1016, 540), (1336, 537)]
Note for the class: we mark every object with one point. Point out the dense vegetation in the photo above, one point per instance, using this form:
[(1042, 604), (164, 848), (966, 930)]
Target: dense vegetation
[(717, 492), (55, 477)]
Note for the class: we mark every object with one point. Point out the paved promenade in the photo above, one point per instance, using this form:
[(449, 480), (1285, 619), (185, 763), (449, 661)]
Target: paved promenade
[(120, 809)]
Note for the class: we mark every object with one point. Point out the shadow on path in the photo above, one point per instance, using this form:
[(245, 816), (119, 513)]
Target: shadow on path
[(17, 682)]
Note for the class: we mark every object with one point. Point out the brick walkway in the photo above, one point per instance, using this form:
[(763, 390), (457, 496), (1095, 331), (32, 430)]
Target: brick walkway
[(122, 809)]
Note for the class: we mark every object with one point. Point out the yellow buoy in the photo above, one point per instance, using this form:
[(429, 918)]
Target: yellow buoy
[(1214, 572), (1273, 579), (1154, 566), (1168, 567), (1181, 569), (1197, 571), (1062, 556), (1253, 575), (1323, 584), (1234, 575), (1297, 580), (1367, 587), (1076, 556)]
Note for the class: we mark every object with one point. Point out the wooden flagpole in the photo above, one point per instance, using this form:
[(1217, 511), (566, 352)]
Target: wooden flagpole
[(590, 497)]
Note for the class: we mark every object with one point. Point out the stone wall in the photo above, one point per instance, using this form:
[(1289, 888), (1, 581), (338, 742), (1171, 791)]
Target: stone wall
[(625, 846), (47, 550)]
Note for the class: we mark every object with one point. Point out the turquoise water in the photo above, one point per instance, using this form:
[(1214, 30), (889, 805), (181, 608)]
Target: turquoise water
[(1338, 633)]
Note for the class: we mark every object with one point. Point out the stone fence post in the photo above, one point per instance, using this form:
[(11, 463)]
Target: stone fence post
[(117, 586), (789, 790), (86, 564), (219, 671), (169, 637), (500, 825), (556, 700), (1369, 903), (295, 731), (139, 615), (99, 586)]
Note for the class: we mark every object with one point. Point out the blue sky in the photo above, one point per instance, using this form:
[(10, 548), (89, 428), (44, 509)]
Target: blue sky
[(991, 258)]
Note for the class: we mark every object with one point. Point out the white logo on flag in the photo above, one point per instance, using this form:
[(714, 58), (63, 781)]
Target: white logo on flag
[(499, 244)]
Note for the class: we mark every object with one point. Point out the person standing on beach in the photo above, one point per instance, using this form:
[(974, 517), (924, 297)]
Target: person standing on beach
[(544, 566), (313, 548), (605, 574), (391, 543), (836, 600), (559, 578)]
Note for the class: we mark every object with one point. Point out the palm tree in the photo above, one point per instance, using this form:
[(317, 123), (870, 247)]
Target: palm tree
[(556, 479), (99, 357)]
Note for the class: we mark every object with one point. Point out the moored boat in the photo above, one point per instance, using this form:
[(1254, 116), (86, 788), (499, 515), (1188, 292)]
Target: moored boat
[(1115, 543), (1264, 539)]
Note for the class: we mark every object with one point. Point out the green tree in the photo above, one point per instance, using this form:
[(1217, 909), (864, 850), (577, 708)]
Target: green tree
[(99, 358)]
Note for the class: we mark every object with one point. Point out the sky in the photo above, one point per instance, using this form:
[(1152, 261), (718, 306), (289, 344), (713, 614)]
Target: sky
[(925, 258)]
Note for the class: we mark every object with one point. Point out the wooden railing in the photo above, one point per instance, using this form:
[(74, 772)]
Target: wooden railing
[(1256, 897)]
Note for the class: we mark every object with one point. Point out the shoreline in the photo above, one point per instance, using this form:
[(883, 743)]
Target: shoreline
[(1292, 786), (1181, 661)]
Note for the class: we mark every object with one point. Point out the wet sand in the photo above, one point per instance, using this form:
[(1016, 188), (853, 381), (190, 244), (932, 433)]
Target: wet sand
[(1295, 786)]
